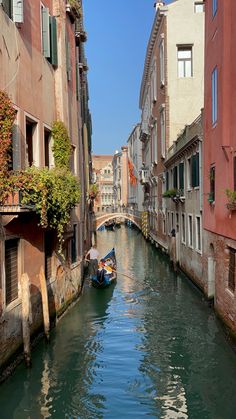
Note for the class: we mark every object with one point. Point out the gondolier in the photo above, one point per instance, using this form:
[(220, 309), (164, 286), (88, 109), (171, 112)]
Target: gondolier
[(92, 256)]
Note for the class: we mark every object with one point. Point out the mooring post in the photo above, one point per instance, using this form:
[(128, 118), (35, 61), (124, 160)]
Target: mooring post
[(44, 294), (25, 296)]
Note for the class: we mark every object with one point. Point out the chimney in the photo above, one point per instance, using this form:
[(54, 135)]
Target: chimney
[(159, 4)]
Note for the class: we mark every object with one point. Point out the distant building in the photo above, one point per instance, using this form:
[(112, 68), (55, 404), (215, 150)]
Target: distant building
[(120, 169), (171, 95), (183, 202), (103, 177), (220, 156), (135, 189)]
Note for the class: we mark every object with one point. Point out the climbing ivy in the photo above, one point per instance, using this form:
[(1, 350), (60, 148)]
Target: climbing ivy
[(61, 145), (7, 117)]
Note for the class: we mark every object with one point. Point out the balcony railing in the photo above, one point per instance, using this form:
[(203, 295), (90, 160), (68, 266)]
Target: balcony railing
[(13, 205), (144, 176)]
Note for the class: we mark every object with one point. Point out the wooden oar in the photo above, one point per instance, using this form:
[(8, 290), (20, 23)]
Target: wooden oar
[(122, 273)]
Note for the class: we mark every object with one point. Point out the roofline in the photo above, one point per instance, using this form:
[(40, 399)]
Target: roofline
[(155, 28)]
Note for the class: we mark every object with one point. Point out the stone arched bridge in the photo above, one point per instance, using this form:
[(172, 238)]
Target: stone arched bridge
[(102, 217)]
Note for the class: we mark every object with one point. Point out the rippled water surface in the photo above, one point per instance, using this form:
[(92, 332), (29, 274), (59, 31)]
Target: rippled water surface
[(150, 346)]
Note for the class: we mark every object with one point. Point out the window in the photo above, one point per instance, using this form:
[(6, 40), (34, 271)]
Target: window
[(154, 144), (162, 63), (14, 9), (198, 7), (74, 245), (11, 270), (214, 7), (164, 226), (30, 131), (47, 148), (231, 277), (189, 173), (167, 181), (168, 223), (195, 170), (214, 95), (198, 234), (73, 161), (163, 133), (184, 61), (48, 254), (190, 231), (175, 177), (212, 183), (181, 177), (183, 229)]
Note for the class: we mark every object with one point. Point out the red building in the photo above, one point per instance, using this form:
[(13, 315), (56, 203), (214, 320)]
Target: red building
[(220, 155)]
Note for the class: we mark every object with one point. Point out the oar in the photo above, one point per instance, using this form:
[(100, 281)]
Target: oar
[(122, 273)]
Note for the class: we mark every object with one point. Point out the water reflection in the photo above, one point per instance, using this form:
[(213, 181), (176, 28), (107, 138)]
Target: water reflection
[(147, 346)]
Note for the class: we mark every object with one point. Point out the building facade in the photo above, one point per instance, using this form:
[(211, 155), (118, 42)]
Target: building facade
[(103, 177), (220, 156), (120, 170), (171, 95), (135, 190), (42, 73), (184, 204)]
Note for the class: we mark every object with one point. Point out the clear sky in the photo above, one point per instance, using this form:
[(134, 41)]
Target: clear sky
[(118, 33)]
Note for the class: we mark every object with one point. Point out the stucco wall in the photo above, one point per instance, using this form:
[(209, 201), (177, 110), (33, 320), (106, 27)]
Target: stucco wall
[(184, 27)]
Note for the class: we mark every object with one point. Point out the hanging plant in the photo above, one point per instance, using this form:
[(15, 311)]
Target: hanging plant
[(51, 192), (7, 118), (61, 145)]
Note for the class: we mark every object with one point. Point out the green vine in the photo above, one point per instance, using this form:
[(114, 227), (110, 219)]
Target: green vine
[(61, 145), (7, 117), (52, 193)]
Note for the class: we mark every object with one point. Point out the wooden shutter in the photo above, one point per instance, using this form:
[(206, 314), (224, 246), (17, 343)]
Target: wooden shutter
[(175, 180), (231, 278), (53, 40), (193, 166), (167, 181), (45, 32), (18, 11), (181, 176), (197, 170), (11, 270)]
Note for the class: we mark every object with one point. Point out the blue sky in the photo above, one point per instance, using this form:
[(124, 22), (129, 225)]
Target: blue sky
[(118, 33)]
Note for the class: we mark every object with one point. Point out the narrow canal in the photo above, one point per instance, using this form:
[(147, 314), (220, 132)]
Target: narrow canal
[(148, 346)]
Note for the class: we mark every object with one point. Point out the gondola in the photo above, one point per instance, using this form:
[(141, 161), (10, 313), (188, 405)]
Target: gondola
[(106, 274), (110, 225)]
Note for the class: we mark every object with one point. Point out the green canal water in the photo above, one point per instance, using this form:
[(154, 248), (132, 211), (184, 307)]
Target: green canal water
[(147, 347)]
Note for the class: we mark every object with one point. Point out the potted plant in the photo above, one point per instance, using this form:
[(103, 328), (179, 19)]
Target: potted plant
[(231, 195), (170, 193)]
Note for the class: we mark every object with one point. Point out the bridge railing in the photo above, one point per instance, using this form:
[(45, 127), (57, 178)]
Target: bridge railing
[(121, 210)]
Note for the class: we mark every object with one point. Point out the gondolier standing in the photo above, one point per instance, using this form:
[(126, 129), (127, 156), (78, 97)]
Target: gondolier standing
[(93, 255)]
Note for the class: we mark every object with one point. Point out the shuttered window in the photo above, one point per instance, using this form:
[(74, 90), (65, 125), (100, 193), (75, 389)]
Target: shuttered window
[(195, 170), (48, 249), (11, 270), (231, 278), (175, 177), (53, 41), (181, 176), (45, 32), (212, 182)]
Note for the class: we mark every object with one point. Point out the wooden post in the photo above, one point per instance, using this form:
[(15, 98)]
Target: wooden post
[(44, 294), (25, 295)]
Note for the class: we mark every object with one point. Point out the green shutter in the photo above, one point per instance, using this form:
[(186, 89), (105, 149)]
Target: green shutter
[(175, 180), (167, 181), (53, 40), (197, 170), (45, 32), (194, 171), (181, 176)]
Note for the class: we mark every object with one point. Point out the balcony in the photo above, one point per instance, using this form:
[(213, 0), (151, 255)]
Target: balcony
[(144, 132), (144, 176), (12, 204), (80, 36), (73, 10)]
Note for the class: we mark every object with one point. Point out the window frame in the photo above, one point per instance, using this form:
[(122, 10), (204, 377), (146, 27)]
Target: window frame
[(190, 231), (214, 96), (184, 61), (183, 228), (198, 240)]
